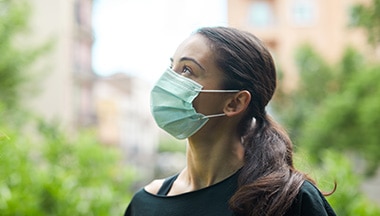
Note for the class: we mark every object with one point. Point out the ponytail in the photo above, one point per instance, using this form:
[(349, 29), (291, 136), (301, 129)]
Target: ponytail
[(268, 182), (268, 179)]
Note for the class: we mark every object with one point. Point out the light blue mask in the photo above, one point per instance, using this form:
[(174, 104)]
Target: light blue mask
[(172, 108)]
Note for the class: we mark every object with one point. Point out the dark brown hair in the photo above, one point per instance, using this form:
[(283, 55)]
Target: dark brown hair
[(268, 181)]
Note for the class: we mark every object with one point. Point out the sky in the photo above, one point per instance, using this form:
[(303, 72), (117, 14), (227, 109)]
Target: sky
[(138, 37)]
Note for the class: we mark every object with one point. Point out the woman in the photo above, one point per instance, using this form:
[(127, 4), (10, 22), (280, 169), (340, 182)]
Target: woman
[(239, 161)]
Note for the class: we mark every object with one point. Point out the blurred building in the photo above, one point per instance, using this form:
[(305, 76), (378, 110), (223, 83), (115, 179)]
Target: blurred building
[(122, 105), (285, 25), (64, 90), (73, 95)]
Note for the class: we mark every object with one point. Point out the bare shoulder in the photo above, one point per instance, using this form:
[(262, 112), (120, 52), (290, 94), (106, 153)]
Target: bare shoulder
[(154, 186)]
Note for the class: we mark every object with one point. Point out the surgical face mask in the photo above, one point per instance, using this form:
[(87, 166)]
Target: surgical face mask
[(172, 108)]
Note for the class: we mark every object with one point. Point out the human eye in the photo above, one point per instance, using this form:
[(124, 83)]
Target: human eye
[(186, 70)]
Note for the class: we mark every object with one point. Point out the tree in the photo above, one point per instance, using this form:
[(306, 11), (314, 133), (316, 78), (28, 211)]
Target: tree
[(315, 83), (335, 106), (348, 117), (15, 61), (348, 199), (51, 173), (368, 17)]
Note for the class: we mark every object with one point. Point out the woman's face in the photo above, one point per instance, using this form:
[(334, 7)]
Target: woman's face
[(195, 60)]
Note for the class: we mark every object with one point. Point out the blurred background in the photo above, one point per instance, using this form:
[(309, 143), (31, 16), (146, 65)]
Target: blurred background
[(76, 133)]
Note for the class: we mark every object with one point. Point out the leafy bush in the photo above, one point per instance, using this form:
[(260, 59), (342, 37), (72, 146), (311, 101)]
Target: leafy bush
[(53, 174), (348, 199), (348, 120), (335, 106)]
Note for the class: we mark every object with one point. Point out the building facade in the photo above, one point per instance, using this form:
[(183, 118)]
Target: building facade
[(64, 89), (285, 25), (70, 93), (122, 105)]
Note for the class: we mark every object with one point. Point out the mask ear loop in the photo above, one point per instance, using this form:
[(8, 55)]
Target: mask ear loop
[(212, 116), (218, 91)]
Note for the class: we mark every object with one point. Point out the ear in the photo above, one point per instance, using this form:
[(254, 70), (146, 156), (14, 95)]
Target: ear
[(237, 103)]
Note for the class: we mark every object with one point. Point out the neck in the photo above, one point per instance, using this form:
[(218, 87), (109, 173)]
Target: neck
[(210, 161)]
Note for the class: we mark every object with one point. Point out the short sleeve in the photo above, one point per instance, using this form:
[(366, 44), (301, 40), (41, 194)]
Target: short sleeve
[(310, 202), (139, 205)]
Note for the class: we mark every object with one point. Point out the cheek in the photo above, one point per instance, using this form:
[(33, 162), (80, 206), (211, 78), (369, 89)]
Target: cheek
[(209, 103)]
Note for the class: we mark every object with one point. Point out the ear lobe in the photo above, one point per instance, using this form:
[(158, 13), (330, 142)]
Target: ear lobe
[(238, 103)]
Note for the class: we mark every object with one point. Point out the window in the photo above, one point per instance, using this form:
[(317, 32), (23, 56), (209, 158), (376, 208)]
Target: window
[(261, 14), (303, 12)]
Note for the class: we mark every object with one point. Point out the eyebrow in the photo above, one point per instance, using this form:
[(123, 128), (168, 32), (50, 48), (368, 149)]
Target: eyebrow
[(189, 59)]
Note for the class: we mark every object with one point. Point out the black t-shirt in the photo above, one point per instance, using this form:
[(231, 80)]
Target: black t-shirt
[(213, 200)]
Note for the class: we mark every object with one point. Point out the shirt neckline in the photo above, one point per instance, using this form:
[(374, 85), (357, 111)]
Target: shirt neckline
[(224, 181)]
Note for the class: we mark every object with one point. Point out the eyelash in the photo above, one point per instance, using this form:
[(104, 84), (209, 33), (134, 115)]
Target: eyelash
[(184, 67), (187, 69)]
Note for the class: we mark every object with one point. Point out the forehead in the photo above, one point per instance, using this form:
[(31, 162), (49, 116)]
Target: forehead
[(196, 47)]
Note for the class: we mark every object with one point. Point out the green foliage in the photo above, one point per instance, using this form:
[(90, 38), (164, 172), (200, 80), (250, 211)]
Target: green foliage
[(44, 171), (316, 83), (349, 119), (348, 199), (368, 17), (335, 106), (53, 174), (314, 69), (15, 61)]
